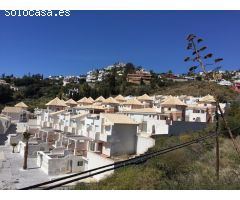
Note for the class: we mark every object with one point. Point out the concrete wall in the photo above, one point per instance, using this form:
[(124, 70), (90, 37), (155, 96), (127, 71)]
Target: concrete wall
[(192, 117), (123, 139), (21, 127), (32, 148), (144, 143), (179, 127), (14, 138), (4, 124), (95, 160), (60, 165), (160, 127), (152, 120), (14, 116)]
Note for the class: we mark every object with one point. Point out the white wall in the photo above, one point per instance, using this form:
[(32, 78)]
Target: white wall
[(144, 143), (5, 123), (160, 125), (21, 127), (60, 165), (95, 160), (161, 128), (193, 116), (32, 148)]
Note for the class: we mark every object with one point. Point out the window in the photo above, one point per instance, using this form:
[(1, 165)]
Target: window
[(92, 146), (80, 163), (153, 129)]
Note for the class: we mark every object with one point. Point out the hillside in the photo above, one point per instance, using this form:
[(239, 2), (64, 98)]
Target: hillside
[(191, 167), (36, 91), (197, 88)]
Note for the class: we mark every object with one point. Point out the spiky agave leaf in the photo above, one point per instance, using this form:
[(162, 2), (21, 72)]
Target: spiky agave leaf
[(193, 68), (203, 48), (218, 60), (190, 37), (189, 46), (208, 56)]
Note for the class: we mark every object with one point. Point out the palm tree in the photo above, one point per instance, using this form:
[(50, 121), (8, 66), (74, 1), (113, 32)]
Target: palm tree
[(13, 147), (26, 137)]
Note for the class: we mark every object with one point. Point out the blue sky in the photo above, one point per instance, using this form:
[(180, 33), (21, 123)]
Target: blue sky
[(93, 39)]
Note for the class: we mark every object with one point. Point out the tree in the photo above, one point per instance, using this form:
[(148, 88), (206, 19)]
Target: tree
[(13, 147), (6, 94), (26, 137)]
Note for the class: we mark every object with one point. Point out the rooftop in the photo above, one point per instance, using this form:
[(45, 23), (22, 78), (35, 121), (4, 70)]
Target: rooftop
[(21, 105), (56, 102), (118, 118), (144, 97), (9, 109), (71, 102), (110, 100), (207, 99), (169, 101), (133, 101)]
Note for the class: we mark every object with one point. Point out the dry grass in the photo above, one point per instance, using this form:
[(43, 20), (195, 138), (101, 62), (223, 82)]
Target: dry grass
[(188, 168)]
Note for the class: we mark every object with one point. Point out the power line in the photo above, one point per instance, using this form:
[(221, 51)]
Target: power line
[(157, 153), (135, 160), (116, 165)]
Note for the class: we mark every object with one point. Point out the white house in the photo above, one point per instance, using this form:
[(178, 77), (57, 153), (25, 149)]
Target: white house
[(150, 121)]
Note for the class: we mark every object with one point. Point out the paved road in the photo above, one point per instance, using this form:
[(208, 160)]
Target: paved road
[(12, 176)]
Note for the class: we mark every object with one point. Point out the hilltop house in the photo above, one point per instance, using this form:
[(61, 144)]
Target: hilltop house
[(56, 104), (139, 76), (85, 101), (174, 107), (71, 103), (132, 103), (146, 100), (210, 104), (111, 104), (16, 114)]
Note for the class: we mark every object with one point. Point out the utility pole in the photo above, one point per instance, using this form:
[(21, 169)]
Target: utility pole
[(197, 57), (217, 144)]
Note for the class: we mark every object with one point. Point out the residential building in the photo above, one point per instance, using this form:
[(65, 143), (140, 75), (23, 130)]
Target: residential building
[(56, 104), (16, 114), (174, 107), (132, 103), (139, 76), (146, 100), (71, 103)]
